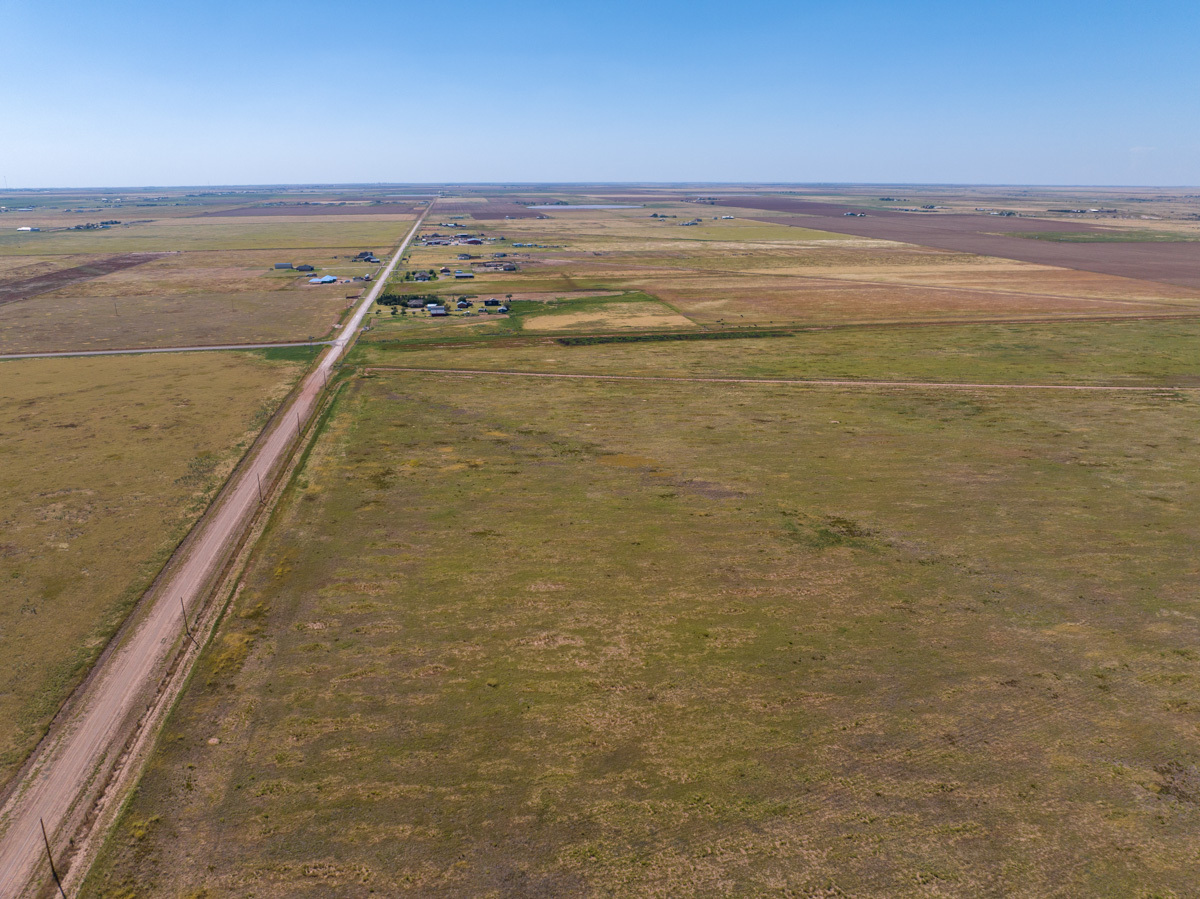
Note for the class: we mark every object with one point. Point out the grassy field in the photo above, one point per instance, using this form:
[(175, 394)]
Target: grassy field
[(207, 234), (517, 637), (746, 272), (216, 283), (104, 465), (45, 324), (1134, 353), (1107, 236)]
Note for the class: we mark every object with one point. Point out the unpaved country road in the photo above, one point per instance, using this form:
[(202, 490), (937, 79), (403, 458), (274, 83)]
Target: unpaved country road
[(66, 769), (163, 349), (796, 382)]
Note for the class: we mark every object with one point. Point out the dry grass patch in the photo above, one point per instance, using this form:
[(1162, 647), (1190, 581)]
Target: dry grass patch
[(104, 465), (696, 639), (610, 315)]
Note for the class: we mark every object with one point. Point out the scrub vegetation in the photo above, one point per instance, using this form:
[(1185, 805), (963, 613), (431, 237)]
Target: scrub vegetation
[(546, 637), (508, 634), (105, 463)]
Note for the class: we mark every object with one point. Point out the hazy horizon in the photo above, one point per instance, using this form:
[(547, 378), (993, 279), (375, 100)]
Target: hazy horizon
[(268, 93)]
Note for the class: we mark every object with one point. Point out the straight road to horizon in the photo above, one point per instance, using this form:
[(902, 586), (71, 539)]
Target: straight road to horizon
[(74, 761)]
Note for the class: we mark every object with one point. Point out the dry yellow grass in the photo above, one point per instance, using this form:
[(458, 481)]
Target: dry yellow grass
[(611, 315), (104, 465)]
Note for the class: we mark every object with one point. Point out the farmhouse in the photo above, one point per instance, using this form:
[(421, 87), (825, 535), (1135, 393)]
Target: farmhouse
[(325, 279), (304, 268)]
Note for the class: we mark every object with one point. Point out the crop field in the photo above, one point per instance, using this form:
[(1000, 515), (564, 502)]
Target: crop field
[(745, 272), (518, 636), (185, 277), (312, 209), (19, 289), (103, 323), (106, 463), (211, 234)]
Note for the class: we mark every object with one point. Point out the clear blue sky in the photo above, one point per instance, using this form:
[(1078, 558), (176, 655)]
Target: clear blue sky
[(126, 92)]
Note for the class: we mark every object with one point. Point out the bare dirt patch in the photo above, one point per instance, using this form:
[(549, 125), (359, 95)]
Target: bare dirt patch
[(30, 287), (306, 209), (987, 235)]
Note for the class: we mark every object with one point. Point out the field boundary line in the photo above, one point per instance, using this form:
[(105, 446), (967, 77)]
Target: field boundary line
[(59, 354), (797, 382)]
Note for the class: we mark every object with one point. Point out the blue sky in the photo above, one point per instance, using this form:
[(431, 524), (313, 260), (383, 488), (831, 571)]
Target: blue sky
[(125, 92)]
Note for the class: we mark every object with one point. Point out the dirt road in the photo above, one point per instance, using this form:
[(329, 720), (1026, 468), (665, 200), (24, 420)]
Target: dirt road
[(72, 765), (798, 382), (163, 349)]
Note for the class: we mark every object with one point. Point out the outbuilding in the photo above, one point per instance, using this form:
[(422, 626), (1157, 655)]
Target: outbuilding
[(283, 265), (304, 268)]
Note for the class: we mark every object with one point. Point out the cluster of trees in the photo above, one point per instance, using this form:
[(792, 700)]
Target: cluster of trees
[(401, 299)]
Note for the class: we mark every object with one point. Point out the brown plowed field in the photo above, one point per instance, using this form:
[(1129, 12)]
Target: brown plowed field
[(315, 209), (492, 209), (1168, 262), (12, 291)]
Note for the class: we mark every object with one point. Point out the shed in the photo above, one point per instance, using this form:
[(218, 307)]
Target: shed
[(304, 268), (464, 275), (438, 310), (283, 265)]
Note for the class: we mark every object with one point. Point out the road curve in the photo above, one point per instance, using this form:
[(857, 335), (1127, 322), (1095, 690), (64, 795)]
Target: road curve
[(67, 768)]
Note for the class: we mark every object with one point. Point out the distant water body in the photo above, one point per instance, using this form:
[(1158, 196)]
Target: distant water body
[(580, 206)]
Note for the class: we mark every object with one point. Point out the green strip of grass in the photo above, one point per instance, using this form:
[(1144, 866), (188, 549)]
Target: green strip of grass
[(1108, 236)]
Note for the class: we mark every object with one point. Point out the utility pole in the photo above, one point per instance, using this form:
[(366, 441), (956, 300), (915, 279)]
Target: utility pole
[(187, 630), (50, 855)]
